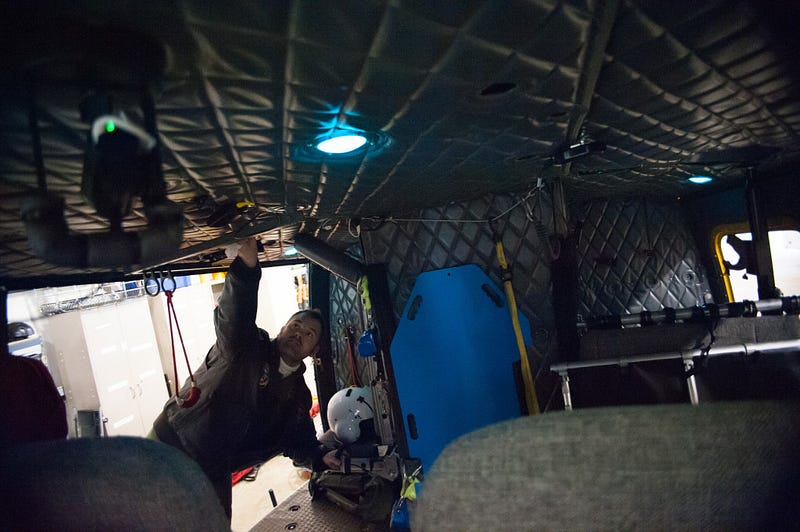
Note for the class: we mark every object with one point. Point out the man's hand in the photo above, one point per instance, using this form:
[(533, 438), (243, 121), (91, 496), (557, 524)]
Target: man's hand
[(331, 460), (248, 252)]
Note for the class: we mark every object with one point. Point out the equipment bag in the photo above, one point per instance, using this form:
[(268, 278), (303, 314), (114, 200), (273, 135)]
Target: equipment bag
[(367, 496)]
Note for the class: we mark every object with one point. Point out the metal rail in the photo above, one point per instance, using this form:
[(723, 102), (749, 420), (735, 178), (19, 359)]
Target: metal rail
[(747, 309), (688, 356)]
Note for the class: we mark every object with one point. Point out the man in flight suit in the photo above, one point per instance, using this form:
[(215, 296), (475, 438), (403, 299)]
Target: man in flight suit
[(253, 403)]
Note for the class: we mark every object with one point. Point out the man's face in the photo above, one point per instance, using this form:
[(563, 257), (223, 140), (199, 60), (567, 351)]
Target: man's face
[(298, 338)]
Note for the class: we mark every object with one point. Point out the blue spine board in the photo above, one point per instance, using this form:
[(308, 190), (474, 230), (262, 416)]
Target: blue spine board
[(453, 362)]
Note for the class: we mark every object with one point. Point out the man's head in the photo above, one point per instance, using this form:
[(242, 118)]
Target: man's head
[(300, 336)]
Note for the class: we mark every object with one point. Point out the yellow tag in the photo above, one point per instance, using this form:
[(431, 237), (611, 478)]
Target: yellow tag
[(410, 490), (363, 289)]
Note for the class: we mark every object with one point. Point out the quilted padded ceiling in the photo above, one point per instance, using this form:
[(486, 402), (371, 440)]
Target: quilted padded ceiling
[(671, 88)]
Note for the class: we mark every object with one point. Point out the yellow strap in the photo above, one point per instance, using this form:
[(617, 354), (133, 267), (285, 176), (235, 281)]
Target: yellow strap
[(531, 400)]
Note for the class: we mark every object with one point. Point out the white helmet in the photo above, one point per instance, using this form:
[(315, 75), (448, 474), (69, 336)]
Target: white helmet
[(347, 409)]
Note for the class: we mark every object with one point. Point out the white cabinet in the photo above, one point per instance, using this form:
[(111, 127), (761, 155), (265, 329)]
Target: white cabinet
[(109, 361)]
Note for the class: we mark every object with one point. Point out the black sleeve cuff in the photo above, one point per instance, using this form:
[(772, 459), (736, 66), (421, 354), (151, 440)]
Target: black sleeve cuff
[(242, 270)]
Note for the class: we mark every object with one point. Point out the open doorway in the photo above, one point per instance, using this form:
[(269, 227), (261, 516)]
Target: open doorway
[(108, 349), (785, 249)]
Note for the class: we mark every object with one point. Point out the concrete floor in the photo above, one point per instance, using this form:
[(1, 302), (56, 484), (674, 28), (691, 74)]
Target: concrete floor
[(251, 500)]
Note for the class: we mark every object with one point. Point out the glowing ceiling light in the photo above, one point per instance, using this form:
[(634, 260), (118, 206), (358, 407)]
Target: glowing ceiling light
[(700, 179), (342, 144)]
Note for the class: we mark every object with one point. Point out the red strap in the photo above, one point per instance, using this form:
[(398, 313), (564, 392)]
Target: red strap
[(172, 315), (354, 380)]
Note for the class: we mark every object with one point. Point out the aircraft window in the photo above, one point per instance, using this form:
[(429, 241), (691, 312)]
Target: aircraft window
[(785, 249)]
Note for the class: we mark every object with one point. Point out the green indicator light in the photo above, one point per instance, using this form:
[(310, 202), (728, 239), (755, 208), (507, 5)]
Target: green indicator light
[(110, 126)]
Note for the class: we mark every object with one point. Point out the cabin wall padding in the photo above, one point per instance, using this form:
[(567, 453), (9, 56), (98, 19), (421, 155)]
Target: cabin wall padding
[(346, 311), (632, 255), (443, 240), (636, 255)]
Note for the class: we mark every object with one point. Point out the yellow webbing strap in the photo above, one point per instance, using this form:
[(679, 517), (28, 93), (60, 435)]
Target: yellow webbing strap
[(527, 377)]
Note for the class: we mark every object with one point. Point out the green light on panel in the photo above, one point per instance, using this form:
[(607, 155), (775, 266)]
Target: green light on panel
[(110, 126)]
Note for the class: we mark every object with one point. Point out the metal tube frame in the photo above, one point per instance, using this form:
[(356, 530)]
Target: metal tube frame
[(688, 356), (764, 306), (565, 392)]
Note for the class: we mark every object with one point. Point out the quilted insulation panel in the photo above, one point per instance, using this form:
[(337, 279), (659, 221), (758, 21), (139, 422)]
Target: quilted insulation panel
[(632, 255), (459, 101)]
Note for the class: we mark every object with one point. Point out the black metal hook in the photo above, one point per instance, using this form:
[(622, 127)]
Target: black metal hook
[(151, 285), (156, 282)]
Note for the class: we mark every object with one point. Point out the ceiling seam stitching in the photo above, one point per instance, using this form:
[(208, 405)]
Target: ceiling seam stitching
[(402, 111), (291, 36), (762, 105), (696, 106), (228, 145), (349, 101), (718, 72)]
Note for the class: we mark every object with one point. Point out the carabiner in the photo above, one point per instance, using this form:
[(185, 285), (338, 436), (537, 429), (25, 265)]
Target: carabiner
[(151, 285), (165, 279)]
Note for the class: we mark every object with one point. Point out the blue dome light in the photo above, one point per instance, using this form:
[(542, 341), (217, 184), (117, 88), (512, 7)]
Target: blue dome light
[(342, 144), (700, 179)]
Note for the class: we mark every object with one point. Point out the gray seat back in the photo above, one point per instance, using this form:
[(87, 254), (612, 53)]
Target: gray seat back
[(716, 466), (117, 483)]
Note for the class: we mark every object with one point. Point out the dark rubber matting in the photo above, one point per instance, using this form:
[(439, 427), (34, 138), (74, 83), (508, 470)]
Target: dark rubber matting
[(300, 513)]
